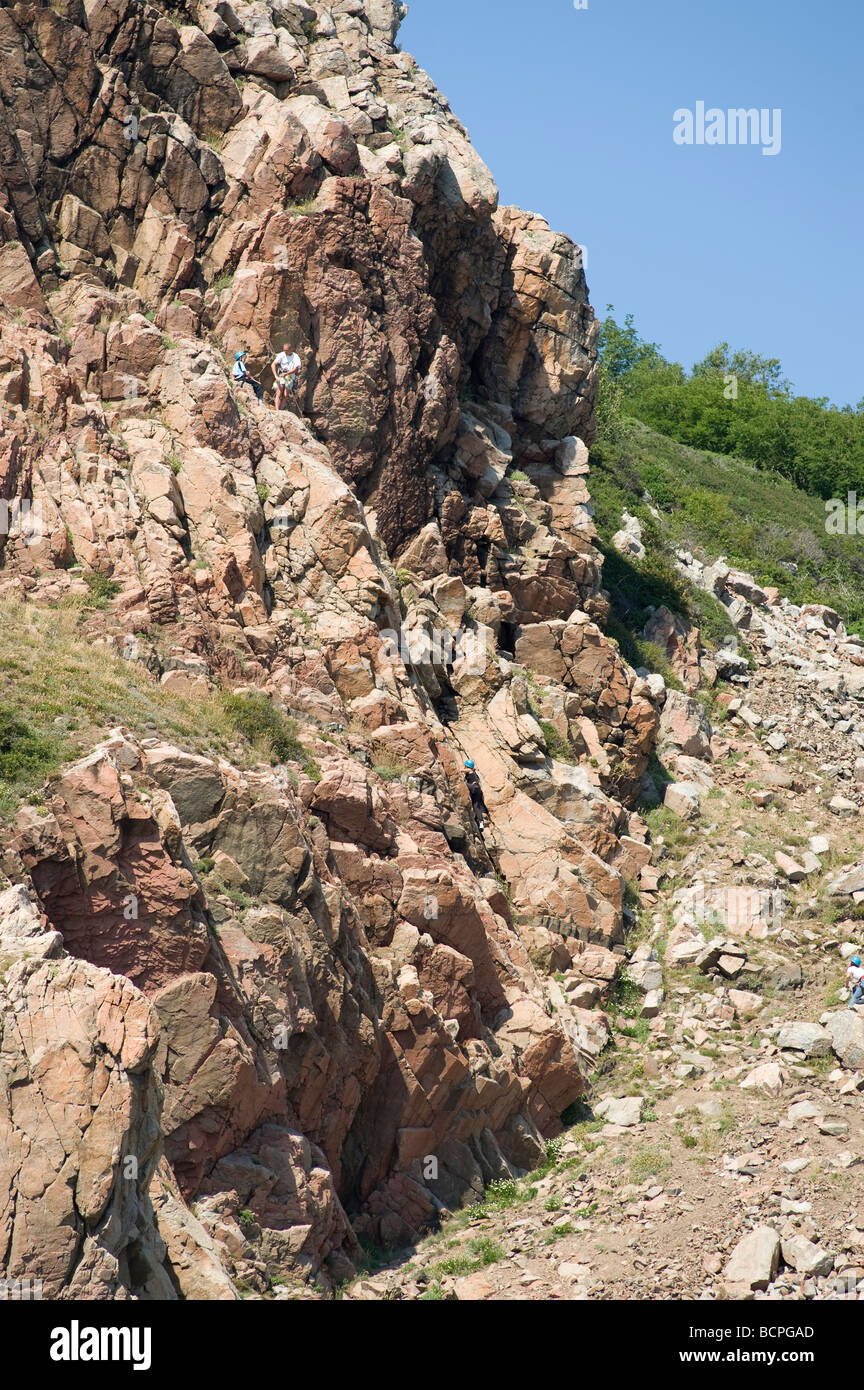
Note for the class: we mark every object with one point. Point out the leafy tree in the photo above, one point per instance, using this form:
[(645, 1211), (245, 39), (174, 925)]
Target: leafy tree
[(746, 366), (622, 349), (733, 402)]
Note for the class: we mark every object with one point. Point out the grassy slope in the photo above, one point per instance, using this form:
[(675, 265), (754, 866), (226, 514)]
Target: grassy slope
[(711, 505), (60, 692)]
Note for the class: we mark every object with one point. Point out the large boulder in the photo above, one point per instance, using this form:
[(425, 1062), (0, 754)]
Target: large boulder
[(847, 882), (626, 1111), (23, 931), (809, 1038), (194, 783), (755, 1259), (682, 799), (685, 726), (846, 1031)]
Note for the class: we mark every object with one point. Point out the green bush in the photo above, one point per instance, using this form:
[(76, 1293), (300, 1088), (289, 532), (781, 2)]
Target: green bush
[(559, 748), (264, 726), (102, 589), (738, 403)]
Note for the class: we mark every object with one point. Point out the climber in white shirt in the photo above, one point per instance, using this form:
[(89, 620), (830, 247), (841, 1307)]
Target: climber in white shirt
[(286, 368)]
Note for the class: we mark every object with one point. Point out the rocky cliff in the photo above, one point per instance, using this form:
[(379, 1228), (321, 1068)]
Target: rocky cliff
[(259, 1009)]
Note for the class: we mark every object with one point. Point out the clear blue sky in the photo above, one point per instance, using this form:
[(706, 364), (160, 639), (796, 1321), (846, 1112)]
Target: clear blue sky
[(573, 112)]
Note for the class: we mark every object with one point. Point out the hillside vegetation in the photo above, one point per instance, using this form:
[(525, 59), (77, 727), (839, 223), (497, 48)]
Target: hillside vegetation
[(745, 478)]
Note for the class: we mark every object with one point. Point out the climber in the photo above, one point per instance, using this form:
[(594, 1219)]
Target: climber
[(855, 980), (286, 370), (242, 377), (481, 810)]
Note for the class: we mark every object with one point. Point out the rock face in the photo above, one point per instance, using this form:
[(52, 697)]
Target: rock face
[(81, 1135), (307, 996)]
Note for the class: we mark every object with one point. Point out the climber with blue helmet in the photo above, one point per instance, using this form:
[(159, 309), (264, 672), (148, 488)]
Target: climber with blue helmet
[(855, 981), (472, 781), (242, 378)]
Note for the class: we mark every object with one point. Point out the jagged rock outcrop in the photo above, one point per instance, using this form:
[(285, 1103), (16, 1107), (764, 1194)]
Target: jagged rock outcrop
[(81, 1135), (334, 979)]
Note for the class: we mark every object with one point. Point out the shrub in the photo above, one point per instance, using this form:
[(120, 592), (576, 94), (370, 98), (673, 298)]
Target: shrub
[(391, 771), (268, 729), (102, 589), (558, 747)]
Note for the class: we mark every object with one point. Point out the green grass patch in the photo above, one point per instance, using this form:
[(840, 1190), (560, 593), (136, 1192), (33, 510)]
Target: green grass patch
[(26, 758), (102, 589), (60, 692), (712, 504), (275, 734), (391, 771), (558, 747), (648, 1163), (434, 1294), (480, 1253)]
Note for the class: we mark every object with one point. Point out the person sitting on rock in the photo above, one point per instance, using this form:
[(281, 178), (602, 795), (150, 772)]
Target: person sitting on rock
[(242, 378), (855, 981), (286, 370), (481, 810)]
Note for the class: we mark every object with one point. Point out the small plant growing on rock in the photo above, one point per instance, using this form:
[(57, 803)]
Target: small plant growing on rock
[(648, 1163), (268, 729), (391, 772), (558, 748), (434, 1294), (102, 589), (247, 1222), (399, 136), (302, 207)]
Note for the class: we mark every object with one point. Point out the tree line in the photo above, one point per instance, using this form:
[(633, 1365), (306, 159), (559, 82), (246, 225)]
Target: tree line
[(736, 403)]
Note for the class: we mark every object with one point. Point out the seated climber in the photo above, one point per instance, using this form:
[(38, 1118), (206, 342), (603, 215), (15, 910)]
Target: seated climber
[(286, 372), (481, 810), (242, 378)]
